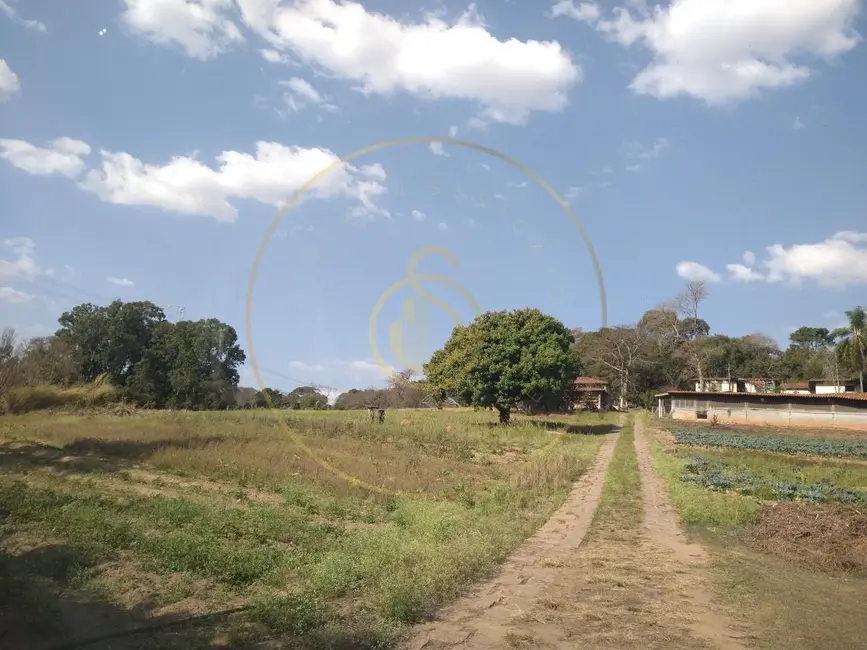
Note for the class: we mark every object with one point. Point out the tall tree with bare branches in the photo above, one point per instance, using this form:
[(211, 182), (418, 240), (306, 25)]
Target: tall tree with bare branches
[(620, 350), (692, 327), (9, 360)]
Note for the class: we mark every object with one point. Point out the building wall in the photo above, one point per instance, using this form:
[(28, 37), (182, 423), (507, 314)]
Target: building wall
[(774, 413), (716, 386), (827, 390)]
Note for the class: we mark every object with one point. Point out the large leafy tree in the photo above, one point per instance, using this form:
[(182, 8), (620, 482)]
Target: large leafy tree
[(753, 355), (505, 358), (812, 338), (189, 365), (110, 340), (853, 341), (306, 397)]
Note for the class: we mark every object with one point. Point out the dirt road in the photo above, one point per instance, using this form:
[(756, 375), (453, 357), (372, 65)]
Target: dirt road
[(664, 530), (495, 611), (578, 583)]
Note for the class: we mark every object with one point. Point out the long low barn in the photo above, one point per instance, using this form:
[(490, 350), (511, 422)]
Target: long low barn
[(841, 410)]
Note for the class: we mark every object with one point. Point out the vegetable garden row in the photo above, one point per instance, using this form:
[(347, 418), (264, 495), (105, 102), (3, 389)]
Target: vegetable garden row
[(722, 477), (778, 444)]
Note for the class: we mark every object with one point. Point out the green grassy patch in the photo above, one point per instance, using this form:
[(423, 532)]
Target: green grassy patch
[(620, 506), (321, 563), (696, 505)]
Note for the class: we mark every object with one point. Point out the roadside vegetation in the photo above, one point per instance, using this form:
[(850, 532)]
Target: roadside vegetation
[(157, 514), (784, 514)]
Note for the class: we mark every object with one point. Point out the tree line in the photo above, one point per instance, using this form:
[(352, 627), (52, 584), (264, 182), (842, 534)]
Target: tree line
[(672, 346), (148, 360), (526, 360), (520, 360)]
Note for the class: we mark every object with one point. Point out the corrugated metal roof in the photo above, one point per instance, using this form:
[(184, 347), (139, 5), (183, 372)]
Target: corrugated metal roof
[(858, 397), (590, 380)]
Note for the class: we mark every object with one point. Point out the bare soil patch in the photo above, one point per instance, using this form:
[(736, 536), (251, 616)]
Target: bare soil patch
[(501, 613), (795, 429), (661, 522), (828, 537)]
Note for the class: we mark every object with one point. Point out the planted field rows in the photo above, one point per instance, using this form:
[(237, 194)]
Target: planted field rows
[(776, 444), (791, 485)]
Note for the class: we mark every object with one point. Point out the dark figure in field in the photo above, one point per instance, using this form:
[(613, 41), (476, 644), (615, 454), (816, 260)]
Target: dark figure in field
[(381, 416), (372, 413)]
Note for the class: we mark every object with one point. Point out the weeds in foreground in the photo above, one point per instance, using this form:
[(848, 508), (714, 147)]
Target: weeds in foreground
[(329, 567)]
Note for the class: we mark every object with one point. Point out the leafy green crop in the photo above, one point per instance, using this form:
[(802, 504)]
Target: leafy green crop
[(721, 477), (778, 444)]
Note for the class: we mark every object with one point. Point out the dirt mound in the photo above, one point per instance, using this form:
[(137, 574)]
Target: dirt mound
[(827, 537)]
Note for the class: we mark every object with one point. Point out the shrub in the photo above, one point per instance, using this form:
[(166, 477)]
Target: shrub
[(23, 399)]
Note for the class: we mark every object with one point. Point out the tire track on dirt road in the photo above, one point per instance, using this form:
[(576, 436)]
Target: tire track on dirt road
[(493, 614), (662, 525)]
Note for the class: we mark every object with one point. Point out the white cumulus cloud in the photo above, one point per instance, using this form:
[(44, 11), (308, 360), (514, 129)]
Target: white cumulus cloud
[(306, 367), (367, 370), (436, 148), (24, 265), (585, 11), (379, 54), (6, 6), (743, 273), (418, 215), (188, 186), (695, 272), (120, 282), (298, 94), (63, 156), (272, 56), (199, 27), (641, 154), (14, 296), (9, 83), (722, 51), (839, 261)]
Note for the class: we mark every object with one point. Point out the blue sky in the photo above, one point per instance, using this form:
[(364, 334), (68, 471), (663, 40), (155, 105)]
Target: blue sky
[(146, 146)]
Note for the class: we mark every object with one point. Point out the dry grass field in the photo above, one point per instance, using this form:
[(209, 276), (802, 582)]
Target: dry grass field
[(148, 529), (113, 521)]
